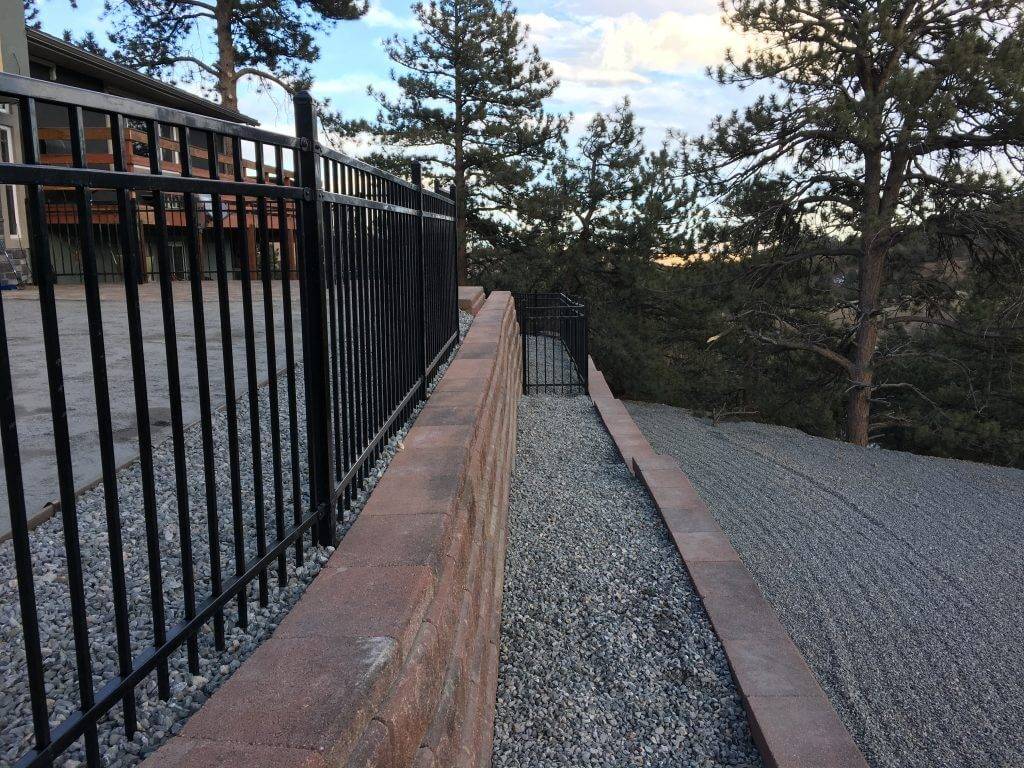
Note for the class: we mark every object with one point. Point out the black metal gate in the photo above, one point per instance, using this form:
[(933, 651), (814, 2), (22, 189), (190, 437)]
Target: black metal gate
[(554, 339)]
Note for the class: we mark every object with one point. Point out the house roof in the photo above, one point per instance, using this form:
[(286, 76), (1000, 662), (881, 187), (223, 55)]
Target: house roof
[(56, 51)]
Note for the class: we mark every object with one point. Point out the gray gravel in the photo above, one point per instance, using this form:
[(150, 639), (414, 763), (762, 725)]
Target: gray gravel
[(548, 364), (607, 657), (900, 578), (158, 720)]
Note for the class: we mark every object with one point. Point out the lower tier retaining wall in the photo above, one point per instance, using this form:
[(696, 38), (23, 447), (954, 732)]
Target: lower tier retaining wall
[(391, 656), (792, 721)]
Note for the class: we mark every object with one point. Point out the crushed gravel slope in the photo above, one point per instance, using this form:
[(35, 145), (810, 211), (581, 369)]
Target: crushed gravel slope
[(900, 578), (607, 657)]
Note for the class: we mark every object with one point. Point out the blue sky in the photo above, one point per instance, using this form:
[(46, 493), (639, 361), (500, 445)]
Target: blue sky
[(655, 51)]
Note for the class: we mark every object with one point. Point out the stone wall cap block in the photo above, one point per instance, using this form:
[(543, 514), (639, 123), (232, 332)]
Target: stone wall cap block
[(201, 753), (387, 540), (802, 732), (298, 693), (358, 601)]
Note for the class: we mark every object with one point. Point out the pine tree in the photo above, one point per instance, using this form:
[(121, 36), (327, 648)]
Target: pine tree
[(860, 185), (271, 41), (596, 226), (470, 105)]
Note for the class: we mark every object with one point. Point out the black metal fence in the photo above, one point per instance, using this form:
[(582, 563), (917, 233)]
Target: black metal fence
[(290, 234), (554, 341)]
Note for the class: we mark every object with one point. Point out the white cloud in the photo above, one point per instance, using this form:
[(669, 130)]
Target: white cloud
[(672, 42), (627, 48), (379, 16), (574, 73), (347, 84)]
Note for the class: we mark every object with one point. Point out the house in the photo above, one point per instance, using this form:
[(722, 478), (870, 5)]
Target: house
[(31, 52)]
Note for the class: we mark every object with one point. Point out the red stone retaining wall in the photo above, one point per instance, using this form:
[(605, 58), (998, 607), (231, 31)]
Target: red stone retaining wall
[(390, 658), (793, 723), (471, 298)]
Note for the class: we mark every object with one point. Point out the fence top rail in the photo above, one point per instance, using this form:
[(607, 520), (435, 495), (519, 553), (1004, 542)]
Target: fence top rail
[(531, 297), (340, 157), (98, 101), (438, 196)]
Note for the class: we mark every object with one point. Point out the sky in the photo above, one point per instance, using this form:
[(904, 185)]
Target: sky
[(654, 51)]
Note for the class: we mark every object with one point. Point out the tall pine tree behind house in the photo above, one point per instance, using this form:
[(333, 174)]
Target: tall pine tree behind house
[(270, 41)]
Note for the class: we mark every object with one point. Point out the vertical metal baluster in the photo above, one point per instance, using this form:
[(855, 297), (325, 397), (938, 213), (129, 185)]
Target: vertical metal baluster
[(269, 331), (230, 396), (333, 300), (202, 373), (42, 268), (289, 352), (384, 322), (130, 260), (410, 343), (453, 278), (536, 360), (585, 351), (349, 337), (343, 455), (359, 287), (174, 391), (375, 318), (251, 377), (421, 306), (521, 313), (101, 390), (22, 550), (365, 383), (394, 390)]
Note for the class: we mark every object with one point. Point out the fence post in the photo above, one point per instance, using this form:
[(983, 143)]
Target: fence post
[(417, 179), (314, 320)]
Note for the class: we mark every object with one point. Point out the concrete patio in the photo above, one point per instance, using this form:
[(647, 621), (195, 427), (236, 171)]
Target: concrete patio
[(31, 391)]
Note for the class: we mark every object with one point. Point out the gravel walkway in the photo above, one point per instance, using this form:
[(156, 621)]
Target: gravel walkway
[(158, 720), (607, 657), (900, 578)]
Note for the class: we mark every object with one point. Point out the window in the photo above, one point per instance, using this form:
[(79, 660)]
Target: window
[(7, 190)]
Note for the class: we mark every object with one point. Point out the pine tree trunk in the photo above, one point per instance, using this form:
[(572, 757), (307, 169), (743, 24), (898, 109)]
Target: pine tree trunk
[(227, 83), (872, 260)]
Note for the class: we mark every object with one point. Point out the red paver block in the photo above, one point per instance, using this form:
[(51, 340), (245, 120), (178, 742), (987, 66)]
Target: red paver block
[(312, 693), (801, 732), (373, 602), (471, 298), (596, 381), (200, 753), (770, 666), (386, 540), (734, 603), (705, 547)]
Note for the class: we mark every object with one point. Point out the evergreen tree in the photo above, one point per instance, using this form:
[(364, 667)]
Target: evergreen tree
[(470, 105), (596, 226), (861, 184), (270, 41)]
